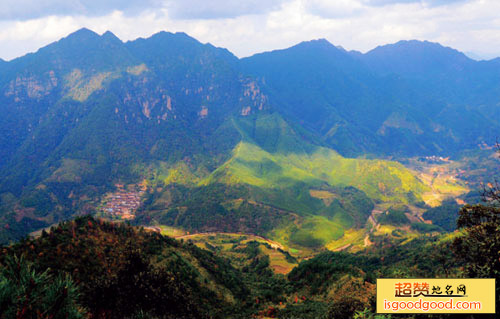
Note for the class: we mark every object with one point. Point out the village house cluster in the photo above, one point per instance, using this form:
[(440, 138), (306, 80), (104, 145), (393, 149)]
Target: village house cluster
[(124, 202), (435, 159)]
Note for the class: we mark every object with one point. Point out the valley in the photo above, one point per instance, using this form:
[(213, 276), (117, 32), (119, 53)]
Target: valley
[(225, 144), (163, 177), (444, 183), (444, 177)]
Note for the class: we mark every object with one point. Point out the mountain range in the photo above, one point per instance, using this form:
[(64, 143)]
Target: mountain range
[(294, 144)]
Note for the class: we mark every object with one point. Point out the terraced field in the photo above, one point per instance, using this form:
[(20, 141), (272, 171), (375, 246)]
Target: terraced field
[(443, 179), (230, 245)]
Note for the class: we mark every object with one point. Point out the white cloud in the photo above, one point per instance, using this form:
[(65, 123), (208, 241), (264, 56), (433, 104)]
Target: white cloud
[(179, 9), (32, 9), (334, 9), (216, 9), (431, 3)]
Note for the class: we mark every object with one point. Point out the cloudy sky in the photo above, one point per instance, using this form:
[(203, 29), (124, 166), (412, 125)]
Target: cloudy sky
[(250, 26)]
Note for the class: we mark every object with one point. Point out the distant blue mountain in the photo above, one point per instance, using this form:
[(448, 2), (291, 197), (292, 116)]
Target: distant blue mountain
[(410, 97)]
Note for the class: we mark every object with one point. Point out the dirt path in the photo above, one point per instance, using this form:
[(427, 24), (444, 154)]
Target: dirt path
[(342, 248), (373, 221), (367, 241)]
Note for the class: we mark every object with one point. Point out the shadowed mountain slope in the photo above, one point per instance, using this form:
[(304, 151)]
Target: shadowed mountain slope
[(90, 111)]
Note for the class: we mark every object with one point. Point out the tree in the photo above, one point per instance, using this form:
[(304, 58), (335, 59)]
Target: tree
[(479, 245), (25, 293)]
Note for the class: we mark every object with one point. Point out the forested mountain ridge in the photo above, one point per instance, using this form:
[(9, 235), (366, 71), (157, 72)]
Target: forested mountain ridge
[(122, 271), (193, 120), (409, 98), (80, 113), (113, 270)]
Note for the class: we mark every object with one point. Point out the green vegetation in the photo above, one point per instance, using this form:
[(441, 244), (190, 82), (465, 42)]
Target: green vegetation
[(478, 245), (393, 216), (242, 208), (317, 231), (193, 119), (426, 228), (353, 240), (292, 145), (292, 162), (27, 293), (119, 271), (446, 215), (231, 245), (124, 271), (310, 194)]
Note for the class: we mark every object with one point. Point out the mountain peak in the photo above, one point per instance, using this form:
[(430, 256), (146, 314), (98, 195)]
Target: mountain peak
[(164, 35), (85, 39), (414, 57), (321, 41), (110, 36), (416, 48), (82, 33), (316, 43), (82, 49), (110, 39), (416, 43), (88, 36)]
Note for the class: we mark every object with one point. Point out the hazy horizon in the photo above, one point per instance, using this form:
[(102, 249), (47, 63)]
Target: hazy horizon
[(477, 56)]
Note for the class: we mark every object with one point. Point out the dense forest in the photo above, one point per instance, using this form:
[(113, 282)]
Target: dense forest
[(91, 268)]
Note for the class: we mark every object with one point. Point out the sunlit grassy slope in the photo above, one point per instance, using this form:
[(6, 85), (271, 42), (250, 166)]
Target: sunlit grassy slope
[(284, 170), (381, 180), (315, 231), (318, 193)]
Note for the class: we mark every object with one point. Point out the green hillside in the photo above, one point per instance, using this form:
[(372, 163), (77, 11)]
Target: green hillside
[(381, 180), (274, 155), (272, 144), (125, 272), (279, 185), (99, 269)]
